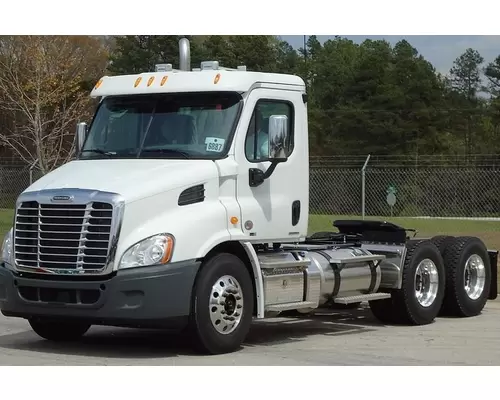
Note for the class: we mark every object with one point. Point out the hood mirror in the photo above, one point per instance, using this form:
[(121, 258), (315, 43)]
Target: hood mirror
[(81, 134)]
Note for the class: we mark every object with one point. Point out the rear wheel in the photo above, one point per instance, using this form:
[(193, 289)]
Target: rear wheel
[(59, 331), (442, 242), (423, 281), (384, 311), (468, 277), (222, 305)]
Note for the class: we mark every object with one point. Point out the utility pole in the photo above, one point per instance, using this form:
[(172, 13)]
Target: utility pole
[(305, 62)]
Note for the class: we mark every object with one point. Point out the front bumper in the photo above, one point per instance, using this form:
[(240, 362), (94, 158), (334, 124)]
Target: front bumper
[(158, 296)]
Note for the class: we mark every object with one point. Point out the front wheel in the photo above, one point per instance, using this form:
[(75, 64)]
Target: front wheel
[(59, 331), (223, 304)]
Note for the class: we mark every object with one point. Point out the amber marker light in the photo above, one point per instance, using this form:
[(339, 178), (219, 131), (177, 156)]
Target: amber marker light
[(150, 81), (217, 79), (137, 81), (234, 220), (164, 80), (169, 247)]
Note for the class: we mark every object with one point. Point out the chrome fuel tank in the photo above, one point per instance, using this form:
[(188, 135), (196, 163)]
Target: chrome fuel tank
[(343, 272), (303, 277)]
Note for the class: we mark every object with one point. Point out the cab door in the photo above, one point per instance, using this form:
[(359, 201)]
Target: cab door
[(276, 209)]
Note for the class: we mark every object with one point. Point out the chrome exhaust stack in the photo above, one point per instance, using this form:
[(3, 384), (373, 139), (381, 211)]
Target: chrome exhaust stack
[(184, 55)]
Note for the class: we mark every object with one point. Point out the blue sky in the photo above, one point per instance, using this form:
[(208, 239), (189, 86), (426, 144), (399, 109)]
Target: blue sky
[(441, 51)]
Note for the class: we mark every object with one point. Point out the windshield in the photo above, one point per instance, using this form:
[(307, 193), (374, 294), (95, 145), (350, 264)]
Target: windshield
[(191, 125)]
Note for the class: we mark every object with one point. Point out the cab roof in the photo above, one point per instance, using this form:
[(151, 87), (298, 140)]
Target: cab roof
[(193, 81)]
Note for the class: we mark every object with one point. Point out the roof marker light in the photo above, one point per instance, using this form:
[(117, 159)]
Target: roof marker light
[(163, 67), (217, 78), (137, 81), (164, 80), (98, 84), (209, 65), (150, 81)]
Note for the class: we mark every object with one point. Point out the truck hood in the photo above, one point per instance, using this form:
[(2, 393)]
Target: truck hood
[(133, 179)]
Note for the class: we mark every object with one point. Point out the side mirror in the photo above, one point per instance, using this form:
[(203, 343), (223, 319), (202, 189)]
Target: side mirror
[(278, 137), (81, 134)]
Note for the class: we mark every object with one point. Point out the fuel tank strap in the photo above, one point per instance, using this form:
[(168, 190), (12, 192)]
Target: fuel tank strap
[(373, 270), (336, 271)]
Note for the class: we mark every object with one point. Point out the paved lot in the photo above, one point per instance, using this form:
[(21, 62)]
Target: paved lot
[(353, 338)]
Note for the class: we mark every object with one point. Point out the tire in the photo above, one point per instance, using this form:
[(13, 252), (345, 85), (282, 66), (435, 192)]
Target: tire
[(384, 311), (442, 242), (404, 306), (237, 290), (457, 301), (59, 331)]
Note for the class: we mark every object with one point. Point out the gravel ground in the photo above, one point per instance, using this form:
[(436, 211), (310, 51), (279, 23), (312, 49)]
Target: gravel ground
[(336, 338)]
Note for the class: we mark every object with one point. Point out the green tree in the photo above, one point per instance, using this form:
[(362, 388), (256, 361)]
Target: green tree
[(332, 70), (136, 54), (257, 52), (465, 79), (492, 72), (287, 58), (466, 74), (417, 96), (492, 120)]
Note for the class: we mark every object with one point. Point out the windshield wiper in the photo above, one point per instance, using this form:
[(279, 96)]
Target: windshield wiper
[(99, 151), (167, 151)]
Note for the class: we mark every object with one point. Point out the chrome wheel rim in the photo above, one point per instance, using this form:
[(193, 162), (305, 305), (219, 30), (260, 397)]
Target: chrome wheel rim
[(474, 277), (226, 304), (426, 282)]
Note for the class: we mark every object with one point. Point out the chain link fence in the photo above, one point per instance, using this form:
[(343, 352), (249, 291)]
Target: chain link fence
[(14, 178), (398, 187), (399, 193), (431, 186)]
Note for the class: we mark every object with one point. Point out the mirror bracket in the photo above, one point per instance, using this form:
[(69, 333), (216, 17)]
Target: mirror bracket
[(277, 144), (257, 176)]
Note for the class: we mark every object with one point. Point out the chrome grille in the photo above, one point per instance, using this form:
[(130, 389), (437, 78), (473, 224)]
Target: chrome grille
[(63, 236)]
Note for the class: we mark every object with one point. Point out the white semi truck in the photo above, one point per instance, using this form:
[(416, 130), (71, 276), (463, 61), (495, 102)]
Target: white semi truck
[(187, 207)]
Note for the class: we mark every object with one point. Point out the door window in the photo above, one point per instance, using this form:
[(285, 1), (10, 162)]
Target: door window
[(257, 139)]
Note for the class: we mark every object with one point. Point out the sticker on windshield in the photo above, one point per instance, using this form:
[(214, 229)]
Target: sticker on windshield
[(214, 144)]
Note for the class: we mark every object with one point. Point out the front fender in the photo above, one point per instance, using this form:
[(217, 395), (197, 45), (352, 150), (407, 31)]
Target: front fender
[(197, 228)]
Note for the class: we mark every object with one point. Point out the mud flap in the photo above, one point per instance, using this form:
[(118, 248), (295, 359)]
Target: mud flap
[(494, 274)]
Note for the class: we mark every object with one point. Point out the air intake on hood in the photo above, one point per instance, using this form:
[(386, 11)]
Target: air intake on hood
[(195, 194)]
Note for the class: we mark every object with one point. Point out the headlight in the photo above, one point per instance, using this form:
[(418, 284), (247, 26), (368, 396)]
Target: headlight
[(7, 250), (151, 251)]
